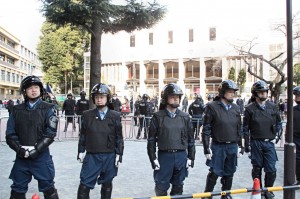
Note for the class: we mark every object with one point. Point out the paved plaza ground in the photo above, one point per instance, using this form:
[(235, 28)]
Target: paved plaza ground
[(135, 173)]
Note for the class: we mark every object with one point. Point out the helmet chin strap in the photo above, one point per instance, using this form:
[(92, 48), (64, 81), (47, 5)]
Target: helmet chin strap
[(100, 106), (174, 105)]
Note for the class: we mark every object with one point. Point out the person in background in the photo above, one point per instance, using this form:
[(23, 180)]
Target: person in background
[(81, 105), (171, 131), (296, 137), (116, 103), (196, 110), (240, 103), (69, 109), (145, 112), (261, 127), (31, 129), (222, 125), (137, 110), (10, 105), (185, 103), (101, 145)]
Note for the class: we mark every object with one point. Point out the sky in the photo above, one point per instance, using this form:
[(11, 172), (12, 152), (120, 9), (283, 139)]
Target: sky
[(23, 18)]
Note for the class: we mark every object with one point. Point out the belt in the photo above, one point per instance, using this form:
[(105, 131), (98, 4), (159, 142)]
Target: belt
[(229, 142), (264, 140), (171, 150)]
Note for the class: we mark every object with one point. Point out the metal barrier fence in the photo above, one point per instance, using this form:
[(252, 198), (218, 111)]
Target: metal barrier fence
[(131, 128), (223, 193)]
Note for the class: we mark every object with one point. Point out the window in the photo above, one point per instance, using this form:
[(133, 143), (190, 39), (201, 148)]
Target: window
[(8, 76), (212, 34), (132, 41), (170, 37), (18, 78), (152, 70), (10, 60), (171, 70), (192, 69), (3, 75), (150, 38), (11, 44), (191, 35), (2, 57), (13, 77), (2, 38)]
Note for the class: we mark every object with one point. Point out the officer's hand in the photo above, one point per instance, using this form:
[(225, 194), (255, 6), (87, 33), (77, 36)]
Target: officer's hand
[(118, 160), (241, 151), (155, 165), (80, 157), (277, 138), (22, 152), (33, 154), (208, 154), (27, 149), (247, 149), (189, 163)]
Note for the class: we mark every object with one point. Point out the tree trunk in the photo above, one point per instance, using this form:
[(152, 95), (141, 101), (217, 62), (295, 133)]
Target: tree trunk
[(95, 64)]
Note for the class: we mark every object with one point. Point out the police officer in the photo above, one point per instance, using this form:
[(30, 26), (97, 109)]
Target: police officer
[(196, 110), (31, 128), (101, 138), (136, 109), (296, 123), (261, 125), (171, 130), (81, 105), (221, 123), (145, 112), (69, 109), (210, 97)]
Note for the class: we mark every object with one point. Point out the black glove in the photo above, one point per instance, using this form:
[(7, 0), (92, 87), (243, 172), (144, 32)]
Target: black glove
[(206, 140), (21, 152), (33, 154), (242, 150), (247, 149)]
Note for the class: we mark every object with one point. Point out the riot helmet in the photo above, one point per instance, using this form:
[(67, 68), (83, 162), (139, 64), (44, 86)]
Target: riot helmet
[(259, 86), (101, 89), (69, 95), (170, 89), (145, 97), (225, 86), (29, 81), (296, 90), (82, 93), (210, 97)]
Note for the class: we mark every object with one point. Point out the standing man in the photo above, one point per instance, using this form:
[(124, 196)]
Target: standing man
[(81, 105), (145, 112), (101, 138), (31, 128), (240, 103), (69, 109), (296, 123), (10, 105), (261, 128), (196, 110), (171, 131), (116, 103), (222, 124), (185, 103)]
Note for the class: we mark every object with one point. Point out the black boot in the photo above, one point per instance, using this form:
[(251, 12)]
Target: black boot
[(176, 190), (51, 193), (226, 182), (159, 192), (83, 192), (17, 195), (269, 182), (298, 172), (211, 181), (106, 190)]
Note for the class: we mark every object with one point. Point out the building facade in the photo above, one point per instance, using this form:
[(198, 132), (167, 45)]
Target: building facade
[(16, 62)]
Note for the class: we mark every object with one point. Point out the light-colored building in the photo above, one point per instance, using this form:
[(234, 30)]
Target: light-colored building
[(16, 62), (188, 48)]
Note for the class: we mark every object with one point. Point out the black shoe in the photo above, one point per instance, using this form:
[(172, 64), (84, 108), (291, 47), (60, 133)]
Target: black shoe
[(269, 195)]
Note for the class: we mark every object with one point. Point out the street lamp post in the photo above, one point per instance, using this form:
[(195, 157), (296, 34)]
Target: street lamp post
[(289, 146)]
